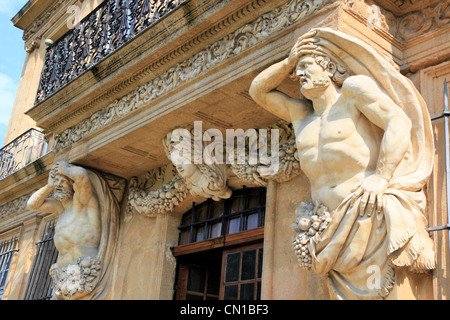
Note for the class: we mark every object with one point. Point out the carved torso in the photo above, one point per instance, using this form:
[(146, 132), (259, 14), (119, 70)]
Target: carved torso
[(77, 233), (337, 148)]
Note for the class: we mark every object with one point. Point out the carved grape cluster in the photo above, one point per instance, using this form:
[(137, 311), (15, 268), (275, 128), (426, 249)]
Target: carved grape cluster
[(310, 224), (74, 281)]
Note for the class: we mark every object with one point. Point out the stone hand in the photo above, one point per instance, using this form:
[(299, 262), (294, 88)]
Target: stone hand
[(304, 45), (60, 166), (371, 191), (51, 181)]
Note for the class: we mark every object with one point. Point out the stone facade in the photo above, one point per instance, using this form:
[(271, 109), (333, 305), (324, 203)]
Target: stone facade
[(197, 64)]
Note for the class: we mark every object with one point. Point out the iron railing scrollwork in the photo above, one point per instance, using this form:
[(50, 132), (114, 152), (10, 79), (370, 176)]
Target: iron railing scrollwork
[(40, 283), (23, 150), (7, 250), (112, 24)]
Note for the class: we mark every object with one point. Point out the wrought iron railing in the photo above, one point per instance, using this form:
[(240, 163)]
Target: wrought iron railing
[(23, 150), (7, 250), (40, 283), (112, 24)]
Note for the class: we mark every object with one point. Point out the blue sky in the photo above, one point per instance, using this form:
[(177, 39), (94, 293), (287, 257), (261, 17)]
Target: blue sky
[(12, 58)]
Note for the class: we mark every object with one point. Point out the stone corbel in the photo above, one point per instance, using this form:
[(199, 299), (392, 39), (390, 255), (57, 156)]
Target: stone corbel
[(35, 44), (150, 195), (161, 190)]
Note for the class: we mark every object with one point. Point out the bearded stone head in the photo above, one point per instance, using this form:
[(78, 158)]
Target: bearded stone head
[(63, 188), (63, 185)]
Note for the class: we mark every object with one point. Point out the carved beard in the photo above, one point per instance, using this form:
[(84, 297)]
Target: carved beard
[(63, 195), (322, 82)]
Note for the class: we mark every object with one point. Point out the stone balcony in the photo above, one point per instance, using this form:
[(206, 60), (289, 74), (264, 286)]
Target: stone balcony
[(101, 33), (22, 151)]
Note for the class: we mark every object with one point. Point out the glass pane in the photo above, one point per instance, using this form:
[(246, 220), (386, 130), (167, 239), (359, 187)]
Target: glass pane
[(193, 297), (212, 298), (231, 293), (200, 234), (253, 199), (234, 225), (236, 205), (248, 265), (200, 214), (218, 208), (260, 262), (215, 230), (252, 221), (187, 220), (184, 239), (247, 291), (196, 280), (232, 267), (213, 281)]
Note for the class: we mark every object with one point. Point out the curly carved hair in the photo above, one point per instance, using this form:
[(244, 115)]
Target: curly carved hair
[(339, 75)]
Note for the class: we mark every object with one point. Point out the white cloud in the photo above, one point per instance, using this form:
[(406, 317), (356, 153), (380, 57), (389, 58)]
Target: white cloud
[(8, 89)]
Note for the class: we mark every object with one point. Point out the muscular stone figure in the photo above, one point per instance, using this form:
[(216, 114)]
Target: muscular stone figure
[(77, 232), (354, 142), (87, 203), (339, 140)]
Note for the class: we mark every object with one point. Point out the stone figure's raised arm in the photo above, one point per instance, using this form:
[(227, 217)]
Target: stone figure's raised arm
[(263, 88), (41, 202)]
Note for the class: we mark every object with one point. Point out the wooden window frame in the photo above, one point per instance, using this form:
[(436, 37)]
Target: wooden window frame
[(226, 217), (239, 282)]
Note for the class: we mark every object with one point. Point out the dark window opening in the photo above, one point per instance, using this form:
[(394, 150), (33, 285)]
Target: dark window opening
[(220, 252), (243, 211)]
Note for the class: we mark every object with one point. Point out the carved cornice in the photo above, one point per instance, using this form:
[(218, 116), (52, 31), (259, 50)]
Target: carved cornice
[(33, 36), (220, 51)]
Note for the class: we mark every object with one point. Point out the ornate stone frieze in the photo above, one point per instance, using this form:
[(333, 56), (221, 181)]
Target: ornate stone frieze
[(420, 22), (16, 206), (228, 47)]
